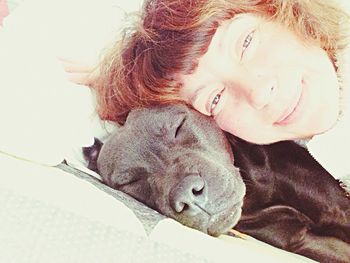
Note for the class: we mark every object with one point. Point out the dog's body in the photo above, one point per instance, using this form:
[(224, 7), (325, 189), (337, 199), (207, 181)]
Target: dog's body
[(180, 163)]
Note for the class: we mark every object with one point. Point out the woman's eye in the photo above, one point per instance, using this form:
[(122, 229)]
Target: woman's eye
[(247, 41), (215, 102)]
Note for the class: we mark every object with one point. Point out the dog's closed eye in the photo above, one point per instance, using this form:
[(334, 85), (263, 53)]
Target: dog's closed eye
[(171, 130), (179, 126), (131, 175)]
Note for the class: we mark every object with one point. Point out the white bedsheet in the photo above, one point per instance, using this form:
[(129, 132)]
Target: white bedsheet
[(47, 215)]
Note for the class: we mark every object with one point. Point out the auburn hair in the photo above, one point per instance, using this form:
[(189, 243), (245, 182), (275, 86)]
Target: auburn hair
[(171, 35)]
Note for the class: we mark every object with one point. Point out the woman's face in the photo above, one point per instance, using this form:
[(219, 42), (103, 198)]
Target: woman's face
[(263, 84)]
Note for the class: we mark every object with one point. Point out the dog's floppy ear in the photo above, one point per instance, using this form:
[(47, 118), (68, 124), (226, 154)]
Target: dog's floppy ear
[(91, 154)]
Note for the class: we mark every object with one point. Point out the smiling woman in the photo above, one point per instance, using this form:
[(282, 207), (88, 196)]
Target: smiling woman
[(265, 70), (258, 75), (266, 66)]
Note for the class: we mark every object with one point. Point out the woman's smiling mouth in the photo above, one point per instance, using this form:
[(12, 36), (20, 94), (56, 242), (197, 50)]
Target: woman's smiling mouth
[(291, 113)]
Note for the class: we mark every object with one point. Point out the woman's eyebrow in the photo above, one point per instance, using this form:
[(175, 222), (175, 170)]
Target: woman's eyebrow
[(234, 34)]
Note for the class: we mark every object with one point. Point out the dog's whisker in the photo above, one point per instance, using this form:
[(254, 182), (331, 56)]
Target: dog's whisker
[(234, 233)]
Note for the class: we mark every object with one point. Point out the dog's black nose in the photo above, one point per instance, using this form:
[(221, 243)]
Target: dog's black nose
[(189, 195)]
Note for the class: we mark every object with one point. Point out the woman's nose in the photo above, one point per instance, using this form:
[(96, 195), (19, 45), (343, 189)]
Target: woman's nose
[(260, 91)]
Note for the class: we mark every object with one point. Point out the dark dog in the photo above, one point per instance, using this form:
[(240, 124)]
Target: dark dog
[(180, 163)]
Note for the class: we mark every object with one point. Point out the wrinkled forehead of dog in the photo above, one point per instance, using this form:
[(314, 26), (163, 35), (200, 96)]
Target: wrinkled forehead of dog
[(166, 131)]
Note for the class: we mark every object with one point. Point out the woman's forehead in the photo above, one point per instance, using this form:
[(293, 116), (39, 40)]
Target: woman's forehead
[(215, 60)]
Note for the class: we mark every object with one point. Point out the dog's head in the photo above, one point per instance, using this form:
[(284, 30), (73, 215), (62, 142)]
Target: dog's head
[(178, 162)]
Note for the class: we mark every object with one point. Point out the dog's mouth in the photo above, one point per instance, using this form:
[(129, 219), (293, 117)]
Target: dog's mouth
[(215, 209), (225, 220), (214, 224)]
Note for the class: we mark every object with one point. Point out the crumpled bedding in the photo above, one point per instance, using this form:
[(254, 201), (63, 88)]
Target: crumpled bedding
[(58, 214)]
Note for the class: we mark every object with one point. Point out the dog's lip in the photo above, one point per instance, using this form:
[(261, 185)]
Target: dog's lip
[(223, 221)]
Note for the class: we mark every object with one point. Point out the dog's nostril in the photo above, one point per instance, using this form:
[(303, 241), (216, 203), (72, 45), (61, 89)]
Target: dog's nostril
[(197, 191), (189, 194), (182, 207)]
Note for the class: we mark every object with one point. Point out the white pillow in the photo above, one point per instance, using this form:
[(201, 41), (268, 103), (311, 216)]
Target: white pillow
[(43, 115)]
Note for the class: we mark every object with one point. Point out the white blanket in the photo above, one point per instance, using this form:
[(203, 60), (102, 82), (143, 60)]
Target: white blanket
[(47, 215)]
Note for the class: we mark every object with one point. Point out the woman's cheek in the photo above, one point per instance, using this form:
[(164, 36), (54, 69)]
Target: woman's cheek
[(232, 123), (247, 128)]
